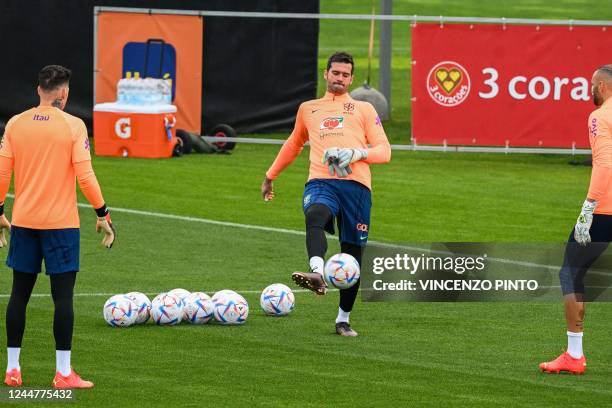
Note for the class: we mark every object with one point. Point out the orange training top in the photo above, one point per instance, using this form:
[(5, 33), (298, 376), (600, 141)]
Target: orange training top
[(335, 121), (48, 149), (600, 137)]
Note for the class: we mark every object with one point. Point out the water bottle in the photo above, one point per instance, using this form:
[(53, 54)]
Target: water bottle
[(159, 91), (146, 91), (129, 90), (138, 94), (155, 92), (166, 92), (121, 97)]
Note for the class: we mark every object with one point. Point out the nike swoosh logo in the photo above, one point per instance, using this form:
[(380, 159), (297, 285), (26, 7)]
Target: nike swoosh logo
[(362, 238), (315, 110)]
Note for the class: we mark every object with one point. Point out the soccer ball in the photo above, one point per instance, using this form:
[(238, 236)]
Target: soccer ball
[(231, 308), (341, 271), (198, 308), (166, 309), (143, 304), (221, 293), (120, 311), (277, 300), (181, 294)]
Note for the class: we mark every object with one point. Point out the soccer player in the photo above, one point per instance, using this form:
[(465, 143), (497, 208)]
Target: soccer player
[(47, 149), (594, 224), (345, 137)]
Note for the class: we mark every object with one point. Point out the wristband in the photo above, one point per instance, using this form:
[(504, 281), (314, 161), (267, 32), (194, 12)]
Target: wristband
[(102, 211)]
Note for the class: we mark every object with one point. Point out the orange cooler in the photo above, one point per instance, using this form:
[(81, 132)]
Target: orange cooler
[(123, 130)]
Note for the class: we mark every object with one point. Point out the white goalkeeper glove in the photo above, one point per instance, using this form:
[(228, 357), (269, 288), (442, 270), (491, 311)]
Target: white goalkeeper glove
[(583, 224), (4, 225), (330, 158), (105, 225), (348, 156)]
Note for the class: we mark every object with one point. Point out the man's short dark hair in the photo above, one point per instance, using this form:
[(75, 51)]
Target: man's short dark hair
[(343, 57), (606, 70), (52, 77)]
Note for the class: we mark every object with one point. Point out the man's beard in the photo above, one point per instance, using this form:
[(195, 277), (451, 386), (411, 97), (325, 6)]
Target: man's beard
[(597, 99), (337, 88)]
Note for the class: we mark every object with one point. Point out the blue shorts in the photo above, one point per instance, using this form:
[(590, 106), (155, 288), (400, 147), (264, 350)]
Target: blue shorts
[(349, 201), (58, 247)]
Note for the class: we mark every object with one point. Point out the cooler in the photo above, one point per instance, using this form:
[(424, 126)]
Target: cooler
[(125, 130)]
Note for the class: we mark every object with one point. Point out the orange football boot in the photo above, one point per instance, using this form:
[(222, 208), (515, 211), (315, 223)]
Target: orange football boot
[(13, 378), (71, 381), (565, 362)]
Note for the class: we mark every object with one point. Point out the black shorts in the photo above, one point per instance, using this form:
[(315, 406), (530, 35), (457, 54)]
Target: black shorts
[(578, 259)]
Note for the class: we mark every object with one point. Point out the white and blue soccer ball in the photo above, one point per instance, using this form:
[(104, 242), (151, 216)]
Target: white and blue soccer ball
[(166, 309), (224, 292), (230, 308), (182, 294), (143, 304), (120, 311), (198, 308), (277, 300), (341, 271)]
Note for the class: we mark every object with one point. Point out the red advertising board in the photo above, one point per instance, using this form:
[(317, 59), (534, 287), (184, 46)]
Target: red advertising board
[(498, 85)]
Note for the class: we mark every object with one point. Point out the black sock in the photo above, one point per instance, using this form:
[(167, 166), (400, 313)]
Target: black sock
[(348, 296), (317, 217), (23, 284), (62, 291)]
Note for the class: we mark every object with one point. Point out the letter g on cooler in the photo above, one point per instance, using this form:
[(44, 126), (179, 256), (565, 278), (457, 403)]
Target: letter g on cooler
[(122, 128)]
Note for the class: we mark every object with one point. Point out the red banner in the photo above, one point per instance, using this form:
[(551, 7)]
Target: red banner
[(496, 85)]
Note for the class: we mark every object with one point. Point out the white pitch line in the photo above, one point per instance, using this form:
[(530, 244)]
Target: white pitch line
[(301, 233), (200, 220), (194, 219)]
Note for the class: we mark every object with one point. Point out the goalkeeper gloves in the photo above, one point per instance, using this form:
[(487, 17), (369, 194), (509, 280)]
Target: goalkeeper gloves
[(267, 189), (4, 225), (331, 159), (583, 224), (105, 225), (348, 156)]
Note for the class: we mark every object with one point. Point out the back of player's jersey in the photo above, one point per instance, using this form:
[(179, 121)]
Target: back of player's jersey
[(44, 142)]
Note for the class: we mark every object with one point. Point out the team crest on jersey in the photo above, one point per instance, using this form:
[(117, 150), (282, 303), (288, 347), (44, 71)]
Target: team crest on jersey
[(334, 122), (349, 107)]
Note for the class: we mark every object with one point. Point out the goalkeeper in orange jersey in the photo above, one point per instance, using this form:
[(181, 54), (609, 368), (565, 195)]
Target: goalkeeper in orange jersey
[(48, 150), (345, 137), (593, 231)]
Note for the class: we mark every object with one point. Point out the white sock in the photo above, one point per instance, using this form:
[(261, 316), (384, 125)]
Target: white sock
[(62, 362), (574, 344), (342, 316), (13, 358), (316, 264)]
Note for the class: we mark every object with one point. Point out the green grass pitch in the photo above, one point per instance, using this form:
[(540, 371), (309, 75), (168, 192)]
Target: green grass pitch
[(408, 354)]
